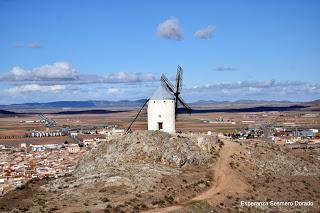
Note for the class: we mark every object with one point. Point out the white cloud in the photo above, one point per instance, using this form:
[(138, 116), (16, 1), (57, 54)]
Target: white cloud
[(64, 73), (254, 89), (170, 29), (34, 88), (125, 77), (113, 90), (205, 33), (229, 91), (259, 90), (56, 71)]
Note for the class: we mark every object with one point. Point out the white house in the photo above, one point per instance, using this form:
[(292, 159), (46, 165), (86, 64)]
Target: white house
[(161, 111), (37, 148), (74, 148)]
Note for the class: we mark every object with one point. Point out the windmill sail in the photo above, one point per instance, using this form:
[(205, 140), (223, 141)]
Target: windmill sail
[(179, 78), (166, 83), (186, 106), (175, 90)]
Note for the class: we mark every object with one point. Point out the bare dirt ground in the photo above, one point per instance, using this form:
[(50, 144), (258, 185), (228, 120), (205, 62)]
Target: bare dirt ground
[(255, 171), (226, 182)]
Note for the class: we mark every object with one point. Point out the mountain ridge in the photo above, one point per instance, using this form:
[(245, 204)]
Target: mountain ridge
[(133, 103)]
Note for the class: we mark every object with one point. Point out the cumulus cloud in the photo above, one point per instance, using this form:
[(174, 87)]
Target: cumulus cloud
[(113, 78), (125, 77), (262, 90), (65, 73), (205, 33), (113, 90), (252, 84), (35, 88), (56, 71), (228, 91), (224, 68), (170, 29)]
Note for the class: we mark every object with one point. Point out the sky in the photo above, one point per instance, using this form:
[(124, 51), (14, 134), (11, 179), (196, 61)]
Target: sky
[(117, 50)]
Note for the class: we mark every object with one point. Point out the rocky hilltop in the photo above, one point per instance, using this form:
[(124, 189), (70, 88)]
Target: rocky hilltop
[(139, 160), (134, 172)]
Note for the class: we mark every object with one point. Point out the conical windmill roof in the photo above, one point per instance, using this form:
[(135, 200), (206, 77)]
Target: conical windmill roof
[(162, 94)]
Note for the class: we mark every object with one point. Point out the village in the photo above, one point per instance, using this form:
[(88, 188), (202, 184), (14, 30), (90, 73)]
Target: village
[(292, 137), (38, 160), (18, 166)]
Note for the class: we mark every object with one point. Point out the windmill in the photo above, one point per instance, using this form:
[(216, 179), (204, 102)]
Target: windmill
[(163, 105)]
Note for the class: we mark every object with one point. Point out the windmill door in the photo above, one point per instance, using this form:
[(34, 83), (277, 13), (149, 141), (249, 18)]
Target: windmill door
[(160, 125)]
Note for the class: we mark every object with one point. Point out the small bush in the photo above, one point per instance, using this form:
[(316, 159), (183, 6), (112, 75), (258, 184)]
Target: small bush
[(104, 199), (158, 202)]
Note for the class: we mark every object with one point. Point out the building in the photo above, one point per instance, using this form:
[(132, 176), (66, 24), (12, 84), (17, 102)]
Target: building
[(283, 134), (161, 111), (115, 131), (45, 134), (280, 142), (92, 140), (52, 146), (37, 148), (73, 134), (73, 148), (304, 133)]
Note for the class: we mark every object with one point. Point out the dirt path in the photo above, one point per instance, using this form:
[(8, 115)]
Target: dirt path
[(226, 182)]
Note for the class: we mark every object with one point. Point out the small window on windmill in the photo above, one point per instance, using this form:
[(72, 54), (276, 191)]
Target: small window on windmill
[(159, 116)]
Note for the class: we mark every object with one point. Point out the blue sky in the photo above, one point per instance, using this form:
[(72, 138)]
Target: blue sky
[(112, 50)]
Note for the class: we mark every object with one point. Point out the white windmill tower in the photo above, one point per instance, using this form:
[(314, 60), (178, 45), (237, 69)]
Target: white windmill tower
[(161, 111), (163, 105)]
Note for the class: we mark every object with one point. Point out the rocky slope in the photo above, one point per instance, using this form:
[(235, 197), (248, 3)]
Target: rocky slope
[(135, 172)]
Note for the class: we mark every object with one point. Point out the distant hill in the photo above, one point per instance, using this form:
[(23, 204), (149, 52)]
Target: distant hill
[(75, 104), (260, 102), (65, 105), (67, 112), (5, 112), (252, 109), (97, 111), (313, 103)]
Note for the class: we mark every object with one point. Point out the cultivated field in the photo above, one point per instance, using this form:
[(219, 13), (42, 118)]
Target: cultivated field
[(15, 127)]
